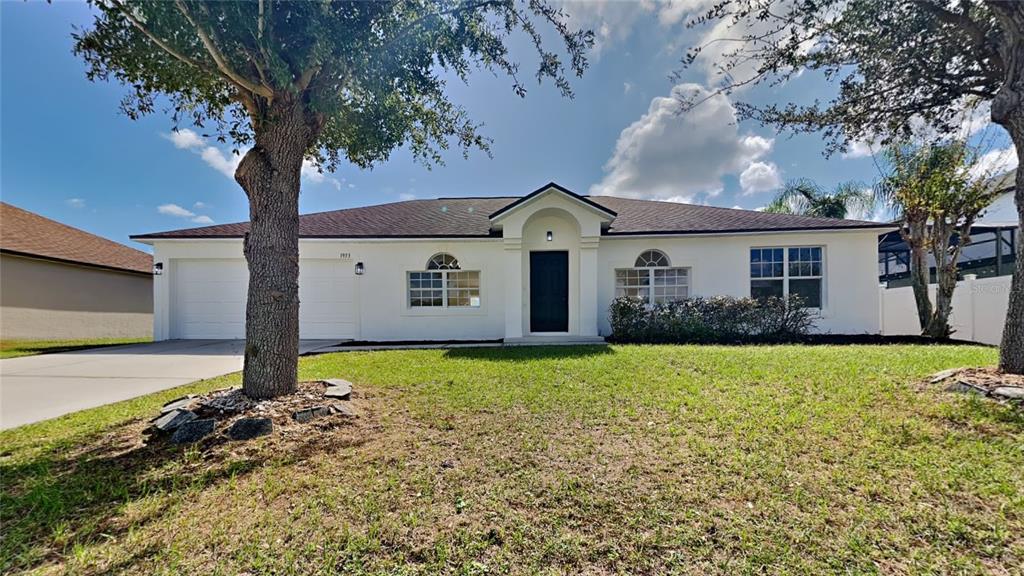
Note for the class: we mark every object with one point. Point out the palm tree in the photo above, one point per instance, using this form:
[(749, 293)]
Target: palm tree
[(807, 198)]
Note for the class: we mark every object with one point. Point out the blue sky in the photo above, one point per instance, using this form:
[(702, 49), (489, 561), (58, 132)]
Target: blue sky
[(68, 154)]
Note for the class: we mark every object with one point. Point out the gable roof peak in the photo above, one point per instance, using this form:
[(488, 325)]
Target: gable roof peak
[(559, 188)]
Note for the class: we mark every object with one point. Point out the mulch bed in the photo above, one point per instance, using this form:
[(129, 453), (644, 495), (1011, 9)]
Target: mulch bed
[(988, 382), (229, 405)]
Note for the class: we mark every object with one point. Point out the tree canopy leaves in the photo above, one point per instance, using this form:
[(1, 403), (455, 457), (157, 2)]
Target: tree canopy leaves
[(373, 73), (897, 64)]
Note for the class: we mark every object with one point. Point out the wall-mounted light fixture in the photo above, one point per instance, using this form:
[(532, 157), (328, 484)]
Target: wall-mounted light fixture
[(158, 268), (551, 236), (360, 268)]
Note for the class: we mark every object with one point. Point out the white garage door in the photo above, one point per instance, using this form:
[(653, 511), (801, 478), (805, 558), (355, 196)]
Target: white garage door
[(209, 299), (326, 304)]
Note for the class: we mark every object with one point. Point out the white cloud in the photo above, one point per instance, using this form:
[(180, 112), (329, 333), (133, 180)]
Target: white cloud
[(976, 121), (404, 196), (760, 177), (179, 212), (861, 149), (186, 139), (672, 12), (227, 163), (627, 87), (75, 202), (200, 205), (611, 21), (174, 210), (680, 199), (313, 174), (994, 162), (667, 155)]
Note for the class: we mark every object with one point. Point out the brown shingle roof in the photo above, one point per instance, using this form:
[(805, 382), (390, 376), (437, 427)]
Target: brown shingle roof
[(469, 218), (653, 217), (28, 233)]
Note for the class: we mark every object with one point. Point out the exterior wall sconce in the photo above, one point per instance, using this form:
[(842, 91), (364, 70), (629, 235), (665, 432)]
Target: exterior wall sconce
[(158, 269), (551, 236), (360, 268)]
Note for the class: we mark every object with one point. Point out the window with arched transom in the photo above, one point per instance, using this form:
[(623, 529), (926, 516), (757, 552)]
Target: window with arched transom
[(442, 261), (444, 284), (653, 279), (651, 259)]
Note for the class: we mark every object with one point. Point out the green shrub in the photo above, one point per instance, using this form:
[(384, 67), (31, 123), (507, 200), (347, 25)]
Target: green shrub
[(711, 320)]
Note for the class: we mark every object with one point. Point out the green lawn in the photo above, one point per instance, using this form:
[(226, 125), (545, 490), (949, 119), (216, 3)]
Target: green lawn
[(590, 460), (17, 348)]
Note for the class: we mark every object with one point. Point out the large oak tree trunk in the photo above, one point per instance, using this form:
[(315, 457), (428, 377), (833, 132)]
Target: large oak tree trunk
[(1008, 111), (269, 173)]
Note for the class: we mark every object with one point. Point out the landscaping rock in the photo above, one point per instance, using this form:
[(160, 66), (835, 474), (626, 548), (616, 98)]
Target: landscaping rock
[(966, 388), (945, 374), (344, 410), (174, 419), (249, 428), (303, 416), (340, 389), (183, 403), (193, 431), (230, 401), (1009, 392)]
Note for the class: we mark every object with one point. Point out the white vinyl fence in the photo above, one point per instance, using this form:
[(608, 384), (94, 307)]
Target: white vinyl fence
[(979, 309)]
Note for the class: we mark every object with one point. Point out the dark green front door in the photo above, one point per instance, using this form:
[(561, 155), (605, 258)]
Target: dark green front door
[(549, 291)]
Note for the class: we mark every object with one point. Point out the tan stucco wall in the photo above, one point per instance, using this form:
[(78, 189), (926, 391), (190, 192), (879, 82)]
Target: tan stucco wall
[(49, 300)]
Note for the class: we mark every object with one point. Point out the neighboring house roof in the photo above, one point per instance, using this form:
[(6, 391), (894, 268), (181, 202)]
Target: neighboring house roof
[(470, 218), (28, 234)]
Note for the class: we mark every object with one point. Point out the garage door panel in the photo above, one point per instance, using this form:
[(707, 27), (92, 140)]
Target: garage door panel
[(209, 299), (326, 299)]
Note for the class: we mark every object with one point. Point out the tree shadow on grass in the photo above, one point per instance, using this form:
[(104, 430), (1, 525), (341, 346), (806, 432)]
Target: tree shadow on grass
[(62, 496), (529, 353)]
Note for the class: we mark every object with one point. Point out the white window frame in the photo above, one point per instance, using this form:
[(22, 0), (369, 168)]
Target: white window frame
[(785, 271), (650, 299), (445, 288)]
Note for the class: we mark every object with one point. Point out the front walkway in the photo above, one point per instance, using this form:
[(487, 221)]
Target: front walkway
[(41, 387)]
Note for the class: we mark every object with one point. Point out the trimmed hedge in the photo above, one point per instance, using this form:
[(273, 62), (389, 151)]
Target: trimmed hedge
[(721, 319)]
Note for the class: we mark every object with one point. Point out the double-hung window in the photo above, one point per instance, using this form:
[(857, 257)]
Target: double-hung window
[(444, 285), (653, 279), (791, 271)]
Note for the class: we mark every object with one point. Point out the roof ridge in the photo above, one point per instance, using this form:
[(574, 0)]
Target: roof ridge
[(470, 198), (735, 209)]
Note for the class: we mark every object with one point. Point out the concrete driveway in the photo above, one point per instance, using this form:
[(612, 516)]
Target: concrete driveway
[(41, 387)]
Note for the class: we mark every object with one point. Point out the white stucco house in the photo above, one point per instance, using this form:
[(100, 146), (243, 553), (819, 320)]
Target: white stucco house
[(544, 266)]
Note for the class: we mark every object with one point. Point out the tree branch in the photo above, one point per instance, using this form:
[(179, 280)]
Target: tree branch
[(153, 38), (219, 59), (969, 26), (303, 82)]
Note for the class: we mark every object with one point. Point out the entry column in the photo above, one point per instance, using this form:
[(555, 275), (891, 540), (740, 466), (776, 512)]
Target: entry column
[(588, 311), (513, 287)]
